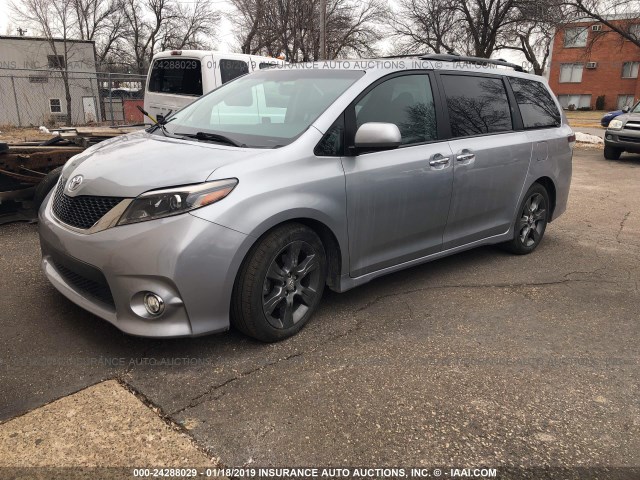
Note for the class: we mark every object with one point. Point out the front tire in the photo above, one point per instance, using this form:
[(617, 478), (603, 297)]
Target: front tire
[(531, 222), (280, 283), (612, 153)]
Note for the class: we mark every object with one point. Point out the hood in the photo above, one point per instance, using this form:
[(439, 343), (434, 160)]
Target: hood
[(614, 113), (132, 164), (625, 117)]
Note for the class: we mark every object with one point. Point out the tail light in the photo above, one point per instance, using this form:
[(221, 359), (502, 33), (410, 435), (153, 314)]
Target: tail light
[(176, 52)]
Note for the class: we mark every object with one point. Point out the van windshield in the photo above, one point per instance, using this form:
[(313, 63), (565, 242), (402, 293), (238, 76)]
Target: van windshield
[(266, 109)]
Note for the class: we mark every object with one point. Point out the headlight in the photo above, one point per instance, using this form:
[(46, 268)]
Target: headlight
[(173, 201), (615, 124)]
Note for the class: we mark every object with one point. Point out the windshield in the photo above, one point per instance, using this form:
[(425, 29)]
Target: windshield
[(636, 109), (266, 109)]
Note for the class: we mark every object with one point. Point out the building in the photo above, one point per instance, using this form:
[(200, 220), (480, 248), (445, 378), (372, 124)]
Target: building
[(32, 89), (590, 60)]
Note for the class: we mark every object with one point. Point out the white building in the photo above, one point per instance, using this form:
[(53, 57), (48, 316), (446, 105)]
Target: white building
[(32, 89)]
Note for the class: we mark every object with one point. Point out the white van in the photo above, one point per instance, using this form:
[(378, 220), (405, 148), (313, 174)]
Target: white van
[(177, 77)]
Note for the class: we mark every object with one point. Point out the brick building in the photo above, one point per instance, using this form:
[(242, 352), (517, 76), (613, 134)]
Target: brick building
[(589, 60)]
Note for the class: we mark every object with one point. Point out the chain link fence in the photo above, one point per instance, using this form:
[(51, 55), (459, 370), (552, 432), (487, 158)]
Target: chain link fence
[(30, 98)]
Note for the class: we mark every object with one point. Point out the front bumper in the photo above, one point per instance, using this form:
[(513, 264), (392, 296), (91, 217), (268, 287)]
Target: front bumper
[(628, 140), (191, 263)]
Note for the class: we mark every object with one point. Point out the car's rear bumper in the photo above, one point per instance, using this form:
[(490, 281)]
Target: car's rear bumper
[(191, 263)]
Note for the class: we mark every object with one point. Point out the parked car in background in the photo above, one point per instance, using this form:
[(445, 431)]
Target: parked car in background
[(232, 213), (177, 77), (607, 117), (623, 134)]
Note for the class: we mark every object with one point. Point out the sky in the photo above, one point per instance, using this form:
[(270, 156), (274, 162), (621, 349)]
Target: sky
[(224, 41)]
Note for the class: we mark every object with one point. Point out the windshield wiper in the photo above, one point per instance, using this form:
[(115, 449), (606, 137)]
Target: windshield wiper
[(211, 137)]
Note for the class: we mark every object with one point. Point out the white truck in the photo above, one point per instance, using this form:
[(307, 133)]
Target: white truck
[(178, 77)]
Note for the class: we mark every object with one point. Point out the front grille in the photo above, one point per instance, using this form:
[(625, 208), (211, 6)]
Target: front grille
[(628, 139), (632, 126), (97, 288), (83, 211)]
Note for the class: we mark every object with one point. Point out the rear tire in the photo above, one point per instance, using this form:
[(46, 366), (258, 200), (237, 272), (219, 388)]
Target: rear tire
[(612, 153), (531, 221), (45, 186), (280, 283)]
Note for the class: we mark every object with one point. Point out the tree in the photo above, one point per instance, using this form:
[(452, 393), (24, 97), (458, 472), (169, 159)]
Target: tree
[(618, 16), (291, 27), (101, 21)]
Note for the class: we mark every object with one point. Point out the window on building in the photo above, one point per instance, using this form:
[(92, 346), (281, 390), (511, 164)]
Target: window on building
[(577, 100), (406, 101), (630, 69), (55, 105), (576, 37), (56, 61), (634, 30), (476, 105), (230, 69), (571, 72), (626, 100), (536, 105)]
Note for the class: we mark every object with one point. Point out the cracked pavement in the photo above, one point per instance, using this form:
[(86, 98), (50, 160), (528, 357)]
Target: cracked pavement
[(480, 358)]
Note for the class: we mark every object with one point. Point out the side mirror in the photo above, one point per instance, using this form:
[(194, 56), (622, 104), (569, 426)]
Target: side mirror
[(626, 109), (377, 136)]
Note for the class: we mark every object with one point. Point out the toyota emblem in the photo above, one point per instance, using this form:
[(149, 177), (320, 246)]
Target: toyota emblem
[(74, 183)]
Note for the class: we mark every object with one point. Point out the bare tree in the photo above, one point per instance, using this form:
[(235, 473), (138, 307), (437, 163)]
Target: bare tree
[(54, 20), (619, 16), (291, 27), (101, 21)]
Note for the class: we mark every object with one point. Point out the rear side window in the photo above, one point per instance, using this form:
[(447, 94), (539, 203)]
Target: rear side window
[(477, 105), (176, 76), (536, 104), (230, 69), (406, 101)]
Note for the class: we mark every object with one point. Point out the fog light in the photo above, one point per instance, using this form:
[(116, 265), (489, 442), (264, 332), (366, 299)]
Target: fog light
[(609, 137), (154, 304)]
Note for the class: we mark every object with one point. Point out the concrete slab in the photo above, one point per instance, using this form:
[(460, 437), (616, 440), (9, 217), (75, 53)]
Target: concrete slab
[(103, 425)]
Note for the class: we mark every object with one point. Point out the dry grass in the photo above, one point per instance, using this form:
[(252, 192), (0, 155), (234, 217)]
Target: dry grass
[(12, 134)]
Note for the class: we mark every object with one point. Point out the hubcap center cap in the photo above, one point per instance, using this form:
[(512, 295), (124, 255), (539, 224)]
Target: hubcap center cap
[(290, 284)]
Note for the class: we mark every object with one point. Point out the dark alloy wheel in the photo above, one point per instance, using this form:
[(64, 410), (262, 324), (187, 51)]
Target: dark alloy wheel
[(292, 285), (531, 222), (280, 283)]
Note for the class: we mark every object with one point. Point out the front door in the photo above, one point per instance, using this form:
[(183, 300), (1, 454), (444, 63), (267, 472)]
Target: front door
[(89, 107), (397, 200)]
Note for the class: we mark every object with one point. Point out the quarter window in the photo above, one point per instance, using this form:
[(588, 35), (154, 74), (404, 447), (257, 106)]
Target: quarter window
[(230, 69), (476, 105), (537, 107), (571, 72), (576, 37), (630, 69), (406, 101)]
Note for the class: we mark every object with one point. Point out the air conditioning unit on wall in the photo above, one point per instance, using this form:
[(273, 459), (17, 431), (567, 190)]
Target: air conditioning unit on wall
[(592, 64), (596, 28)]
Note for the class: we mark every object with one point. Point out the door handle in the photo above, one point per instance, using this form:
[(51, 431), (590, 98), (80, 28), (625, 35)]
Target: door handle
[(465, 156), (439, 160)]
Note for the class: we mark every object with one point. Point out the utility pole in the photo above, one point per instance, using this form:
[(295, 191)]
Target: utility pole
[(323, 27)]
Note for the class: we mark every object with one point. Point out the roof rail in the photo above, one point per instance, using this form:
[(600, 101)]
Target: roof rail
[(475, 60)]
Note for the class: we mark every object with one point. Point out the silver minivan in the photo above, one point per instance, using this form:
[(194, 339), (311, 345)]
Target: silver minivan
[(244, 205)]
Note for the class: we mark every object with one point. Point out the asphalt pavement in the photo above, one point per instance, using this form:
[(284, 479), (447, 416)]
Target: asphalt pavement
[(480, 358)]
